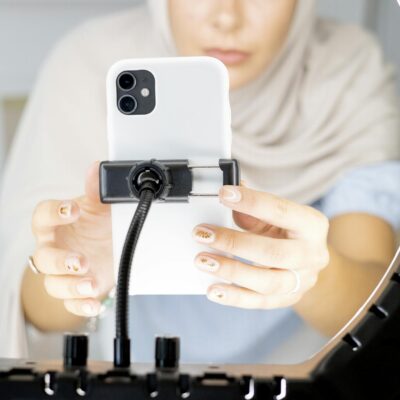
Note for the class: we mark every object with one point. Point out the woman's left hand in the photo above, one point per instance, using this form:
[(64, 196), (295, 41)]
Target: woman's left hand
[(282, 249)]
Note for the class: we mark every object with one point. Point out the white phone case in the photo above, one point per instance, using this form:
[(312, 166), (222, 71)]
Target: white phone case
[(191, 120)]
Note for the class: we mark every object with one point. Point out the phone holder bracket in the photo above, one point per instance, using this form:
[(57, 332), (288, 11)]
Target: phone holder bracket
[(120, 180)]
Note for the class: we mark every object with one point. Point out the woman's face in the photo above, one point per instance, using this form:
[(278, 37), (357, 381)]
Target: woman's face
[(244, 34)]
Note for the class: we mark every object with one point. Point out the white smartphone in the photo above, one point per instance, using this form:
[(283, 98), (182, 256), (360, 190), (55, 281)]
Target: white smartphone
[(170, 108)]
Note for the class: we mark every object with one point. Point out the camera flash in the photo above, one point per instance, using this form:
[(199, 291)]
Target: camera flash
[(145, 92)]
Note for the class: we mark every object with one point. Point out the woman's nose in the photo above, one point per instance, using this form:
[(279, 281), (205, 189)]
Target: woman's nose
[(227, 15)]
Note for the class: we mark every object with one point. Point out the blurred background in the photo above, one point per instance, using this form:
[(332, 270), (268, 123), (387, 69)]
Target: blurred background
[(29, 28)]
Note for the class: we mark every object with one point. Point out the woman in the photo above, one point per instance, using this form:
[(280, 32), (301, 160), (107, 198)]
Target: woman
[(315, 126)]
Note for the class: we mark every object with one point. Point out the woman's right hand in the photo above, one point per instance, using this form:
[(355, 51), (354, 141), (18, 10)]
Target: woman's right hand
[(74, 248)]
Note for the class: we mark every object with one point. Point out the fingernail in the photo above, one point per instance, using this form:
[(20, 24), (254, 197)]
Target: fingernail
[(65, 209), (231, 194), (203, 234), (73, 264), (86, 288), (206, 263), (216, 294), (88, 309)]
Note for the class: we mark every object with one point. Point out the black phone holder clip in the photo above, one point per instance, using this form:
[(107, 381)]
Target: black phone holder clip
[(120, 181)]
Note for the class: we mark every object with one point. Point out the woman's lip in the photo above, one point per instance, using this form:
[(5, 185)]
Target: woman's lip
[(228, 57)]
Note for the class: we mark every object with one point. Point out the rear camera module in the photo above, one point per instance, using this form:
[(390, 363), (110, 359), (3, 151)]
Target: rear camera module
[(126, 81), (127, 104), (135, 92)]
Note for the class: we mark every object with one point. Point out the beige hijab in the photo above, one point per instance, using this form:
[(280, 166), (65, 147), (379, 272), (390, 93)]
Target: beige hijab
[(325, 105)]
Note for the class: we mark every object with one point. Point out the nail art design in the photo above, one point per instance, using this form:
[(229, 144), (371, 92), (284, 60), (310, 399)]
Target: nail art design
[(207, 263), (73, 264), (217, 294), (203, 234), (65, 209)]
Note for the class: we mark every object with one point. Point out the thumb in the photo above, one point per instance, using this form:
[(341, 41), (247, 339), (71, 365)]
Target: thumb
[(247, 222), (92, 187), (255, 225)]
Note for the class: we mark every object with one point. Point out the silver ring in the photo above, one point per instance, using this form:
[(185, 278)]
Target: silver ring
[(297, 286), (32, 266)]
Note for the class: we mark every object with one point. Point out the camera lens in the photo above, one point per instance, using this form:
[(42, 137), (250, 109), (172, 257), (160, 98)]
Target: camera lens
[(126, 81), (127, 104)]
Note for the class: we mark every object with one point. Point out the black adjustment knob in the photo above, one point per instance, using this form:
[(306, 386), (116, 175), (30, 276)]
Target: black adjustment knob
[(75, 350), (167, 352)]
